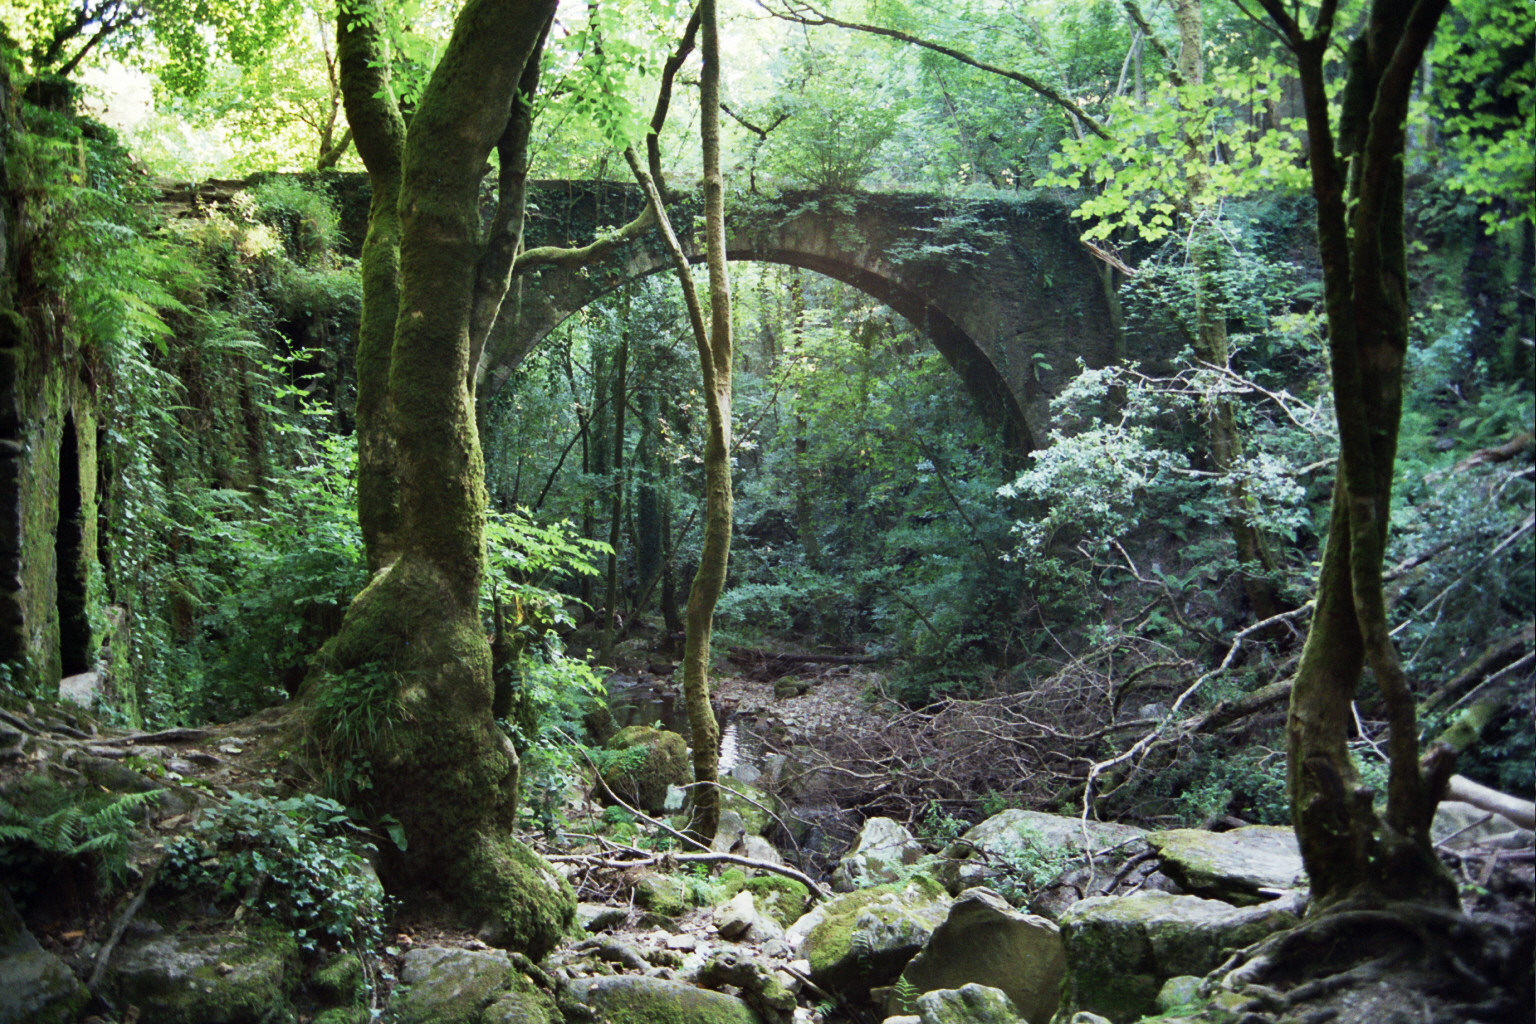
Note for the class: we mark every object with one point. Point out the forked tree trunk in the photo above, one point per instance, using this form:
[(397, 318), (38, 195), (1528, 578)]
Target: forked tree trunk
[(1348, 850), (414, 636)]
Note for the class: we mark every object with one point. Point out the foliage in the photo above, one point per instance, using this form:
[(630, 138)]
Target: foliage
[(42, 820), (1027, 864), (356, 710), (1139, 176), (1101, 489), (299, 861), (1484, 103)]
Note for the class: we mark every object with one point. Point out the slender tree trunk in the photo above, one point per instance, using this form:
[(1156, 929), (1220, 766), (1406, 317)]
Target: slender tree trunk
[(715, 358), (616, 506), (805, 518), (1348, 850), (714, 344), (1211, 344)]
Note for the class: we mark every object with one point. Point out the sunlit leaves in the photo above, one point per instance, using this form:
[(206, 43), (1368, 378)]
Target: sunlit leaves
[(1140, 178), (1484, 62)]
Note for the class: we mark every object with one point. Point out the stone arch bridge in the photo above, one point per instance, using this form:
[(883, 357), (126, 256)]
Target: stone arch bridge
[(1001, 287)]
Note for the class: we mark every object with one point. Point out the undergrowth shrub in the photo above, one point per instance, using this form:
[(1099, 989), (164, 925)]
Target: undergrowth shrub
[(299, 861)]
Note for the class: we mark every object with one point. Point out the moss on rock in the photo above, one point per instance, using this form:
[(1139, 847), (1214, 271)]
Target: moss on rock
[(782, 899), (528, 905), (636, 999), (644, 784), (236, 977), (865, 938), (340, 981)]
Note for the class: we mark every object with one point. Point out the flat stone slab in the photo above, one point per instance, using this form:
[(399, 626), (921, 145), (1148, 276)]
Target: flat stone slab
[(638, 997), (1243, 867)]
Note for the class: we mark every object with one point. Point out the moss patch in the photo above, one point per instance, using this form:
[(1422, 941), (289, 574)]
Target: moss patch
[(233, 977), (644, 784), (783, 899), (868, 936)]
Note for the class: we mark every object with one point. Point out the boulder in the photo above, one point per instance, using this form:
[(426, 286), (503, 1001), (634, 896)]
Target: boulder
[(639, 999), (232, 977), (755, 806), (865, 938), (1037, 845), (670, 895), (1121, 950), (599, 917), (883, 848), (736, 915), (442, 985), (782, 899), (986, 942), (969, 1004), (35, 986), (643, 781), (759, 985), (1246, 866)]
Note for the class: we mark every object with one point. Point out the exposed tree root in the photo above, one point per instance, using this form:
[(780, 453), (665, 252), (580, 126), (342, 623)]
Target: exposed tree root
[(1380, 964)]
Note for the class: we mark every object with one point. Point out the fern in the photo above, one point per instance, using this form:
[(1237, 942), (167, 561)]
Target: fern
[(58, 823)]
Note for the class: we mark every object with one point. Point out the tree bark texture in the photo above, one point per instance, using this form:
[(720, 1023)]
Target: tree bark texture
[(442, 768), (1358, 183), (379, 134)]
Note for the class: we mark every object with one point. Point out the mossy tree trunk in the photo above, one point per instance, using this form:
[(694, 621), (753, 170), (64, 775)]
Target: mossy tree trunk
[(1209, 339), (1357, 180), (714, 344), (413, 639), (379, 132), (715, 360)]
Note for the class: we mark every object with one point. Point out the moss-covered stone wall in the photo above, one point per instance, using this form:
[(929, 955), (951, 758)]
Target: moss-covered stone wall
[(48, 473)]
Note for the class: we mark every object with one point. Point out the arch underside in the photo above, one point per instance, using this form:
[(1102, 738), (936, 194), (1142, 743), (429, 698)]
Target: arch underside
[(535, 319)]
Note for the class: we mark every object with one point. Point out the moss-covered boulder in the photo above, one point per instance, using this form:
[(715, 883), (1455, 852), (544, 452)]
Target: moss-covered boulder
[(756, 807), (883, 851), (532, 907), (225, 977), (440, 985), (639, 999), (1245, 866), (642, 781), (669, 895), (984, 941), (339, 982), (865, 938), (783, 899), (1036, 846), (1122, 950), (35, 986), (969, 1004)]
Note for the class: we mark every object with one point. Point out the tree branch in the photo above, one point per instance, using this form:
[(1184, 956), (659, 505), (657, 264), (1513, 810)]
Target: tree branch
[(805, 14)]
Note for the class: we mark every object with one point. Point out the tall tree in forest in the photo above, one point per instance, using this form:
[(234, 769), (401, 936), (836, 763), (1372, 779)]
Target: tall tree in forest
[(1357, 179), (714, 344), (411, 659)]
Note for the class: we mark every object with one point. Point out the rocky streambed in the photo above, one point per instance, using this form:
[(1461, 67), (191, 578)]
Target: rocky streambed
[(1026, 916)]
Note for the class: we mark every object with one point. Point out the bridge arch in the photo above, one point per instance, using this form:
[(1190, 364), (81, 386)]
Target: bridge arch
[(1002, 290)]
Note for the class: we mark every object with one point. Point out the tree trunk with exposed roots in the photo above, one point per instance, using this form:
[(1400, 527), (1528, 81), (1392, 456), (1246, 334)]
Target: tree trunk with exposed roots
[(402, 696)]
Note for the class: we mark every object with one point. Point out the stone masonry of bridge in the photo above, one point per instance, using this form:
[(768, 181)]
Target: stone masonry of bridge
[(1002, 287)]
